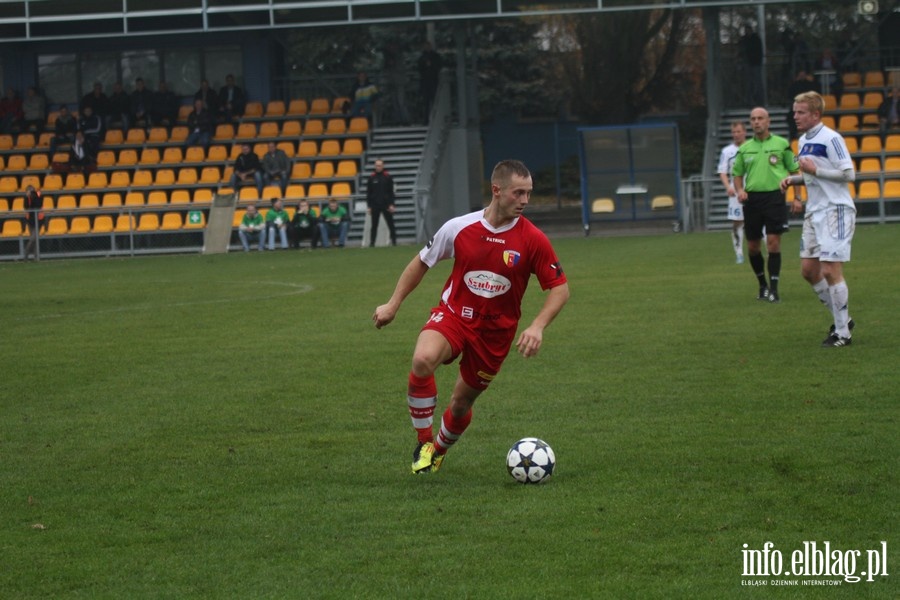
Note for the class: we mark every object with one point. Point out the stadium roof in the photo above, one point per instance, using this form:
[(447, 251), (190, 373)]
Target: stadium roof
[(27, 20)]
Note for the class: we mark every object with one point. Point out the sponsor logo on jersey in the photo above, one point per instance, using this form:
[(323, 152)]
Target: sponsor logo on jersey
[(487, 284), (493, 240), (511, 258), (557, 268), (470, 313)]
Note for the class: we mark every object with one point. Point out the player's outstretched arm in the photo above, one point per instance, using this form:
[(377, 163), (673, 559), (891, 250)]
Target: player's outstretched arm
[(530, 340), (410, 278)]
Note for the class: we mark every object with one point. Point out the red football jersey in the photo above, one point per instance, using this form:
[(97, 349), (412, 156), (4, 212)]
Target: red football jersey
[(491, 268)]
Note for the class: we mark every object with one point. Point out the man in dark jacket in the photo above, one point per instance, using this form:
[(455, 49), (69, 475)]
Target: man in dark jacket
[(380, 200), (34, 219)]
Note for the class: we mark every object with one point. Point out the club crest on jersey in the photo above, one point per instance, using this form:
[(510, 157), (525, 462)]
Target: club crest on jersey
[(486, 283), (773, 159), (511, 258)]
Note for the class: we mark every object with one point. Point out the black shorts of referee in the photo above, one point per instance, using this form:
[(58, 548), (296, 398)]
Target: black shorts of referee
[(765, 209)]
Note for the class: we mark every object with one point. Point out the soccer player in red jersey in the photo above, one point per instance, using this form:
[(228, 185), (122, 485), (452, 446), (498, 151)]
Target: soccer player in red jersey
[(495, 251)]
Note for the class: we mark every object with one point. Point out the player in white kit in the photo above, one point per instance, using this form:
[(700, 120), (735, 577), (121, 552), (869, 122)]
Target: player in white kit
[(825, 170), (735, 209)]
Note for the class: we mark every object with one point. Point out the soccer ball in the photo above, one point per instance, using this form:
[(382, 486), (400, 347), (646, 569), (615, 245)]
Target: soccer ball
[(530, 460)]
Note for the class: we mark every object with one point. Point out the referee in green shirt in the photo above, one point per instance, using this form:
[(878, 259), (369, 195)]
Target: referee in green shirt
[(760, 165)]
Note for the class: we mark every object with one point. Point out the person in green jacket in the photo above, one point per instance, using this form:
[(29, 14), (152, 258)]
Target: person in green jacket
[(277, 220), (252, 228), (334, 223)]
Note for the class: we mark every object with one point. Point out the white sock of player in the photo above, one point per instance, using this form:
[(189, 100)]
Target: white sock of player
[(821, 290), (737, 238), (839, 296)]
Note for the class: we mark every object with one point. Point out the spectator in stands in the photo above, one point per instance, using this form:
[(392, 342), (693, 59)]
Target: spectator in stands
[(252, 228), (141, 103), (80, 156), (804, 82), (334, 224), (90, 125), (98, 101), (247, 169), (119, 108), (363, 96), (207, 95), (277, 221), (34, 109), (304, 226), (753, 51), (10, 111), (232, 100), (276, 165), (828, 62), (64, 129), (429, 66), (34, 219), (395, 83), (164, 109), (380, 201), (200, 126), (889, 111)]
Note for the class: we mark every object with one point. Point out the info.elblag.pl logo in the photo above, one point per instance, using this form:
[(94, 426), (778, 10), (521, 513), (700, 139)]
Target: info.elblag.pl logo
[(813, 560)]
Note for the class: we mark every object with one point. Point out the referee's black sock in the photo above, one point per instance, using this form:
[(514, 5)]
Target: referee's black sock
[(774, 270), (759, 268)]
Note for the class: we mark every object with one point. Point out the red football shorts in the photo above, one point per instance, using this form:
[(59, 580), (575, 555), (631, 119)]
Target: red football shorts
[(483, 350)]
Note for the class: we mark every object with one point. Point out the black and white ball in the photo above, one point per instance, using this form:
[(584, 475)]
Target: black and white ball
[(530, 460)]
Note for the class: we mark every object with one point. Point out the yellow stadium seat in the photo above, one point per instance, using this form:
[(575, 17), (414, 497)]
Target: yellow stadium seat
[(120, 179), (210, 175), (319, 106), (66, 202), (872, 100), (127, 158), (38, 162), (184, 112), (297, 107), (34, 180), (57, 226), (136, 136), (307, 149), (870, 121), (47, 203), (52, 182), (179, 134), (112, 200), (89, 201), (199, 224), (44, 140), (314, 127), (217, 154), (187, 176), (248, 194), (352, 147), (134, 199), (330, 148), (12, 228), (171, 221), (341, 189), (18, 204), (172, 155), (603, 205), (295, 191), (337, 105), (148, 222), (246, 131), (870, 165), (142, 178), (224, 132), (318, 190), (74, 181), (851, 79), (6, 142), (271, 192), (892, 143), (347, 168), (852, 144), (287, 147), (81, 225), (301, 171), (4, 205), (291, 129), (238, 217), (25, 141), (158, 135), (870, 143), (892, 189), (268, 129), (180, 197), (892, 164), (125, 223), (149, 156), (868, 190), (336, 126), (165, 177), (848, 123), (202, 196), (849, 102), (253, 110), (157, 198), (662, 202), (358, 125), (260, 149), (113, 137), (195, 154), (873, 79), (275, 108), (323, 170), (105, 158), (828, 120), (102, 224), (97, 179)]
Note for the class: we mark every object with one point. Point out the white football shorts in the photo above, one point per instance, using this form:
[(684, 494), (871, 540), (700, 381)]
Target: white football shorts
[(735, 209), (827, 234)]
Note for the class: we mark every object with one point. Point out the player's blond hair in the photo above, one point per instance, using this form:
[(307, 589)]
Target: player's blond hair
[(505, 169), (813, 100), (738, 124)]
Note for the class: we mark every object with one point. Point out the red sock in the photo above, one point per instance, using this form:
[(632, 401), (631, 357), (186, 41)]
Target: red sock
[(421, 399), (451, 428)]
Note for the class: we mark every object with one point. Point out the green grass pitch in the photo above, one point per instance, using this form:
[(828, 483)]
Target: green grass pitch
[(234, 426)]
